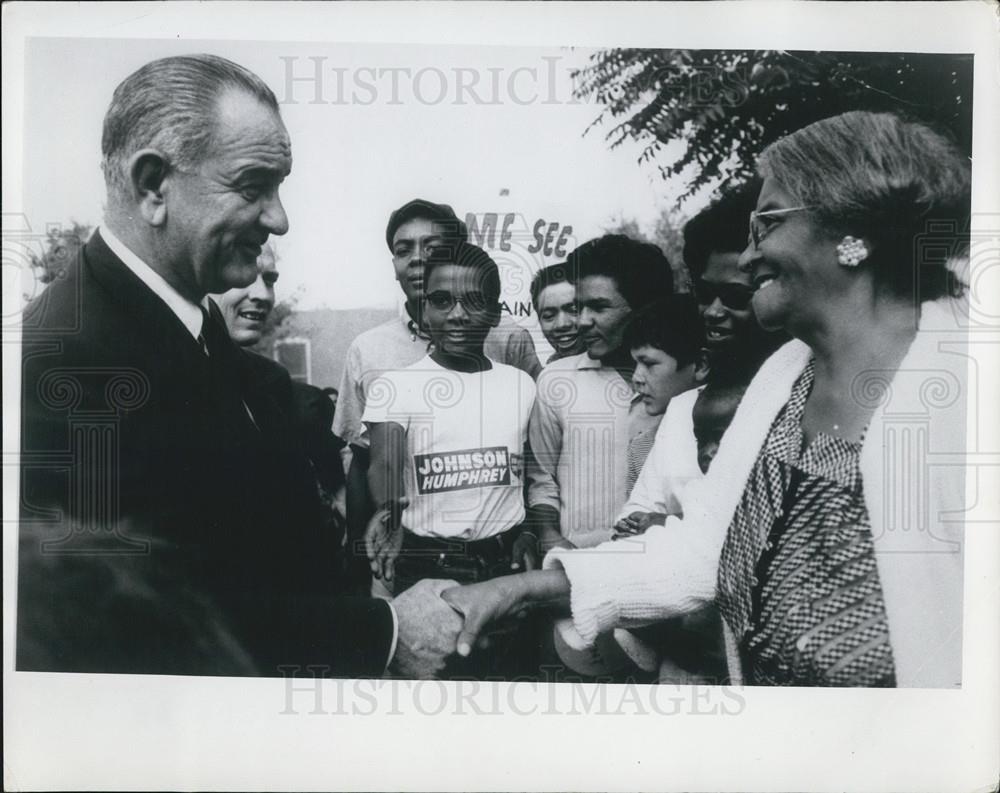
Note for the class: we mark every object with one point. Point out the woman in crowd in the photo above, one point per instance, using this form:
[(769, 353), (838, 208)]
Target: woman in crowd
[(687, 649), (799, 531), (735, 346)]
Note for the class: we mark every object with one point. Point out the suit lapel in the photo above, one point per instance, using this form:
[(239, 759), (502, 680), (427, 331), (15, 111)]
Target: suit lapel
[(153, 320), (214, 390)]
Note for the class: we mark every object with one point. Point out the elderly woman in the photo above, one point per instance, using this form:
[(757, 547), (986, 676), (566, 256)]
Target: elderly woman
[(825, 533)]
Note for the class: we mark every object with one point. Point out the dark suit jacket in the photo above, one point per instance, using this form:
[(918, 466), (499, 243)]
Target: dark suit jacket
[(162, 531), (314, 416)]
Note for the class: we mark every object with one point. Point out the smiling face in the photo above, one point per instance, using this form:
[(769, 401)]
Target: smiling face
[(604, 313), (557, 315), (457, 312), (724, 293), (247, 308), (219, 215), (793, 268), (411, 244), (657, 378)]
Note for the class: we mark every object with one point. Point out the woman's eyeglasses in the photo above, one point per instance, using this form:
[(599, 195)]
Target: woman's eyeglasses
[(734, 296), (758, 232)]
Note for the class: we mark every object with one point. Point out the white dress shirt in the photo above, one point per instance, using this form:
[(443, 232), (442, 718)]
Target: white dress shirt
[(187, 312)]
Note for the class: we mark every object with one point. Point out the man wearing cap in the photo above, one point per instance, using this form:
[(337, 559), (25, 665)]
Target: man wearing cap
[(413, 231)]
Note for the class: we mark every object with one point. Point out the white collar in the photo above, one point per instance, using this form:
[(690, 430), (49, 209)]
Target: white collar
[(409, 323), (187, 312), (582, 360)]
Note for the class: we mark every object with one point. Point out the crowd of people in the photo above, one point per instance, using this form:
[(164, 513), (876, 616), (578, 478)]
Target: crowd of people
[(692, 487)]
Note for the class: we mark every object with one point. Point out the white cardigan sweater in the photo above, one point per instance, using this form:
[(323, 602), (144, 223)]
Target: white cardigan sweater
[(914, 489)]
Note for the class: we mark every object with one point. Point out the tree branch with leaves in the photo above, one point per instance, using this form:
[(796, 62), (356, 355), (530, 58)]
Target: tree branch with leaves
[(727, 105)]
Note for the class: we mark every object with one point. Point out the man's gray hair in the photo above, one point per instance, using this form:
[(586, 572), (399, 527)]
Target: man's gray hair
[(170, 105)]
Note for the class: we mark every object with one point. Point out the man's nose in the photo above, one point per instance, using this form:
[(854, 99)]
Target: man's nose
[(585, 319), (747, 257), (261, 291), (273, 218), (564, 321), (458, 312), (715, 309)]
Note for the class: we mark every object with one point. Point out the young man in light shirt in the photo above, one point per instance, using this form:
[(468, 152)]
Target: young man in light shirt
[(586, 411), (413, 232)]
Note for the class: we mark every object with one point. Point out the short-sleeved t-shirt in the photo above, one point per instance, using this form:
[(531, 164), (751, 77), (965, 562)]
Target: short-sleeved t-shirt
[(398, 343), (465, 435)]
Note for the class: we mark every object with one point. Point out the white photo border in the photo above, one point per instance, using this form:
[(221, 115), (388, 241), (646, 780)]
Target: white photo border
[(90, 732)]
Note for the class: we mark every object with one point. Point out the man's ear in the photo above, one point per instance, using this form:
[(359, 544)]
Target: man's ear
[(692, 372), (495, 315), (147, 170)]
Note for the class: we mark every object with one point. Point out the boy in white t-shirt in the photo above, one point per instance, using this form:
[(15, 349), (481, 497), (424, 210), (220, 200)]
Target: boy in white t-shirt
[(447, 441)]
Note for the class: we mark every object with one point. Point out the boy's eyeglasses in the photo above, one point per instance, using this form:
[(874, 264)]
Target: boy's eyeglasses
[(473, 302), (734, 296), (758, 232)]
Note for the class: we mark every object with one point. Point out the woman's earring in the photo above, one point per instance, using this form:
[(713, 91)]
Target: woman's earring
[(851, 252)]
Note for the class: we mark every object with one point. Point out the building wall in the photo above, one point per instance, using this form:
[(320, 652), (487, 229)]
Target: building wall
[(329, 333)]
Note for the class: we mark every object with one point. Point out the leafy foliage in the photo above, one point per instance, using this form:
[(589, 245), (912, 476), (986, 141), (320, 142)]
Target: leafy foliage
[(61, 246), (666, 233), (727, 105)]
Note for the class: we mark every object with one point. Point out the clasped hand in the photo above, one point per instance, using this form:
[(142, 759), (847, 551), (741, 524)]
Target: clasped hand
[(637, 523), (438, 618)]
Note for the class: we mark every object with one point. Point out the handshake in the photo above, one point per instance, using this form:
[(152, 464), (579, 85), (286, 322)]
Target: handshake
[(439, 618)]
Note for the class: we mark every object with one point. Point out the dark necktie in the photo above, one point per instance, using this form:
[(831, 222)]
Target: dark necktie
[(215, 346)]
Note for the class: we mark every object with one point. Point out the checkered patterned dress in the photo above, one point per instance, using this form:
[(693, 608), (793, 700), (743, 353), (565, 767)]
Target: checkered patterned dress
[(798, 584)]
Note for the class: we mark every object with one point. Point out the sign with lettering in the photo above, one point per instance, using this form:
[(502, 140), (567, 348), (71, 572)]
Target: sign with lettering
[(521, 246), (462, 470)]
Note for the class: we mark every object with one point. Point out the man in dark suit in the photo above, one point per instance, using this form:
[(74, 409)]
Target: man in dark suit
[(170, 523), (246, 311)]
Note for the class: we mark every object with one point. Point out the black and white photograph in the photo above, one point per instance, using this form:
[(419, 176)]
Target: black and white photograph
[(495, 363)]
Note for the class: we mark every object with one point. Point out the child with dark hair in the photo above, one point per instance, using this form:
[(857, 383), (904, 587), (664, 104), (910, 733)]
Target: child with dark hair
[(578, 468), (447, 438), (713, 411), (665, 340), (447, 452), (735, 346), (413, 231), (553, 296)]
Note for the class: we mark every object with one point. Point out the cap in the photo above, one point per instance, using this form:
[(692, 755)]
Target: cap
[(420, 208)]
